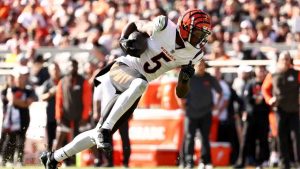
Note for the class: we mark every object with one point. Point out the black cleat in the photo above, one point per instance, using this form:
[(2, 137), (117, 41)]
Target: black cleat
[(104, 140), (48, 161)]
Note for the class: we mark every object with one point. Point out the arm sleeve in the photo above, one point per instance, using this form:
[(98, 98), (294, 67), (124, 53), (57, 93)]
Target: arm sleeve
[(87, 99), (267, 88), (59, 101)]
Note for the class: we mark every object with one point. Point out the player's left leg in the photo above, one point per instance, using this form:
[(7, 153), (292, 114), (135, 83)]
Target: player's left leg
[(81, 142), (131, 85)]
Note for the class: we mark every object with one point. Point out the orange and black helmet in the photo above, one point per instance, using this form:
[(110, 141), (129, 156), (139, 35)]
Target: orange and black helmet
[(192, 20)]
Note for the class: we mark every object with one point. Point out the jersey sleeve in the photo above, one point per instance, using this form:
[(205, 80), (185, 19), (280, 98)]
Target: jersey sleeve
[(160, 23)]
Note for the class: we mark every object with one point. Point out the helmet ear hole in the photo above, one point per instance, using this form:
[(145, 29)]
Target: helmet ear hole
[(185, 27)]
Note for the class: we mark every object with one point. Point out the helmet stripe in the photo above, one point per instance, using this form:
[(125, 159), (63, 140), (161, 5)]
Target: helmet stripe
[(191, 29)]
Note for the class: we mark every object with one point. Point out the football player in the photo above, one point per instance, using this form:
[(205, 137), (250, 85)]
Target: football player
[(168, 46)]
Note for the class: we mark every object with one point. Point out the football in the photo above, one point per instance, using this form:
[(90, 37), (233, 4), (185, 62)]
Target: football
[(137, 43), (140, 38)]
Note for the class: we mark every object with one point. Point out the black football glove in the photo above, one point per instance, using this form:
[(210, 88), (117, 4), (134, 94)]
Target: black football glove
[(128, 46), (186, 72)]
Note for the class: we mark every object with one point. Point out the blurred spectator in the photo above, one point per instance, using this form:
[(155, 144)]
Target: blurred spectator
[(263, 33), (232, 15), (72, 104), (89, 69), (74, 19), (220, 110), (273, 10), (31, 54), (22, 60), (212, 7), (227, 129), (20, 96), (199, 106), (240, 81), (282, 31), (99, 51), (256, 123), (253, 9), (81, 25), (239, 52), (298, 52), (62, 14), (9, 84), (15, 52), (48, 95), (218, 34), (248, 33), (93, 35), (107, 37), (33, 22), (4, 11), (38, 73), (218, 52), (281, 91), (235, 107)]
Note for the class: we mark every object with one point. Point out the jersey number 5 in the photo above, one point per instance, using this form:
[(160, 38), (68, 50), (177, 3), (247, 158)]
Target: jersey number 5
[(156, 59)]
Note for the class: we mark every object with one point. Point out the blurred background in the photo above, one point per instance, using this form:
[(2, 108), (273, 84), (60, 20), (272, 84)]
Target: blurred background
[(39, 39)]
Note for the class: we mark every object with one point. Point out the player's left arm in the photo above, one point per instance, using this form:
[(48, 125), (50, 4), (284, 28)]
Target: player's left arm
[(183, 84)]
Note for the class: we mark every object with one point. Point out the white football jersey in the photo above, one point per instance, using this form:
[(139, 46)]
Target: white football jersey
[(162, 53)]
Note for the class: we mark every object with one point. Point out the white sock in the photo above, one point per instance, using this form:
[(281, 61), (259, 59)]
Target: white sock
[(60, 155), (124, 102), (81, 142)]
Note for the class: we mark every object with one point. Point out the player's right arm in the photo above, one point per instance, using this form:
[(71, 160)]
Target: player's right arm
[(183, 84), (129, 45)]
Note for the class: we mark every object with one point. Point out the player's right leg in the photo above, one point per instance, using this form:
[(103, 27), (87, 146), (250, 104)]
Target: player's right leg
[(130, 84)]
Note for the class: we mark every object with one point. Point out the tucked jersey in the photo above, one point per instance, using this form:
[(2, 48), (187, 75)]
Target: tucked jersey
[(162, 53)]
